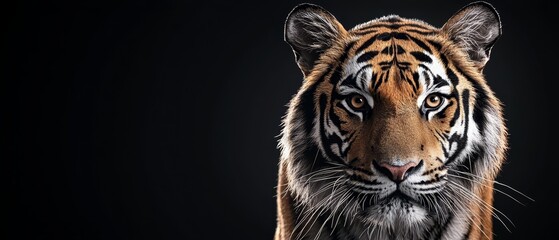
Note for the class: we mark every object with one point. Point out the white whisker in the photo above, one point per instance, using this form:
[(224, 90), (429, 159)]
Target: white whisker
[(495, 182), (483, 184), (487, 206)]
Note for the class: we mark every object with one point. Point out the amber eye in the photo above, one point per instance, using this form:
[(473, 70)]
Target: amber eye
[(357, 101), (433, 101)]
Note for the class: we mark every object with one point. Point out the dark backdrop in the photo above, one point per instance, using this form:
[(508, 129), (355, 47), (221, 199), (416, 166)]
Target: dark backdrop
[(159, 120)]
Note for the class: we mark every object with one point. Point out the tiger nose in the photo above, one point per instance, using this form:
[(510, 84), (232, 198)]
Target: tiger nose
[(398, 173)]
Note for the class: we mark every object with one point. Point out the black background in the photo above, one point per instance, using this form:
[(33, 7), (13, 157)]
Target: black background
[(158, 120)]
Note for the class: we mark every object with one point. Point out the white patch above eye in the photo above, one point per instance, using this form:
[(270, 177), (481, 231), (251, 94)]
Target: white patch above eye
[(427, 75), (432, 70), (353, 66), (360, 76)]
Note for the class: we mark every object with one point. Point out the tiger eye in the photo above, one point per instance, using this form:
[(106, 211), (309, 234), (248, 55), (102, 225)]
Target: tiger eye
[(433, 101), (357, 102)]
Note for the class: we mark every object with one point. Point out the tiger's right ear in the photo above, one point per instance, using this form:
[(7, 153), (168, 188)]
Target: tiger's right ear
[(475, 28), (310, 30)]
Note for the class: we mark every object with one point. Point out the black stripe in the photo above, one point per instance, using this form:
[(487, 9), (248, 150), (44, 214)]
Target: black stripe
[(452, 76), (400, 36), (387, 50), (367, 56), (423, 182), (385, 36), (403, 64), (386, 63), (422, 57), (441, 114), (481, 103), (426, 77), (381, 78), (351, 81), (441, 135), (335, 119), (403, 76), (463, 139), (366, 44), (445, 152), (438, 81), (421, 44), (305, 108), (443, 59), (376, 81), (415, 77), (386, 75), (400, 50), (437, 45), (456, 115), (337, 73), (480, 106), (327, 141), (349, 144)]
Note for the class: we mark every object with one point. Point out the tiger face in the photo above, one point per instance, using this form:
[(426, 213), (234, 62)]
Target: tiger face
[(393, 121)]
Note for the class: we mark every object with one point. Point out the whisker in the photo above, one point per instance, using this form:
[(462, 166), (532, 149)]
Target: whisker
[(452, 206), (483, 184), (315, 157), (342, 200), (496, 182), (314, 212), (475, 198)]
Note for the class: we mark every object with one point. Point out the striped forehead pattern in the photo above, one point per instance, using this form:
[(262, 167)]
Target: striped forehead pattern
[(392, 57)]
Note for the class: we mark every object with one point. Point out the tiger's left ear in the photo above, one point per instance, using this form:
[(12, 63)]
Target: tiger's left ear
[(475, 28)]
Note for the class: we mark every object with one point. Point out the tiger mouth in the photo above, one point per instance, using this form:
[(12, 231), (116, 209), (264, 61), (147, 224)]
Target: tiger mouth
[(399, 195), (396, 196), (385, 196)]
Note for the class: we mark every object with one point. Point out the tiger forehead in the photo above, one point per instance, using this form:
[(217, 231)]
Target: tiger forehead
[(391, 57), (394, 44), (392, 31)]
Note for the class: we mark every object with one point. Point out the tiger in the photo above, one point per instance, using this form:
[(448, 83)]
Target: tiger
[(394, 132)]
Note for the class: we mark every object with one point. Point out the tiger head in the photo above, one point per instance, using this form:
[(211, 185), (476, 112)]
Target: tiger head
[(394, 126)]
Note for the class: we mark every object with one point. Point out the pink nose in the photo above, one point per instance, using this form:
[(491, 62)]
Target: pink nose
[(398, 173)]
